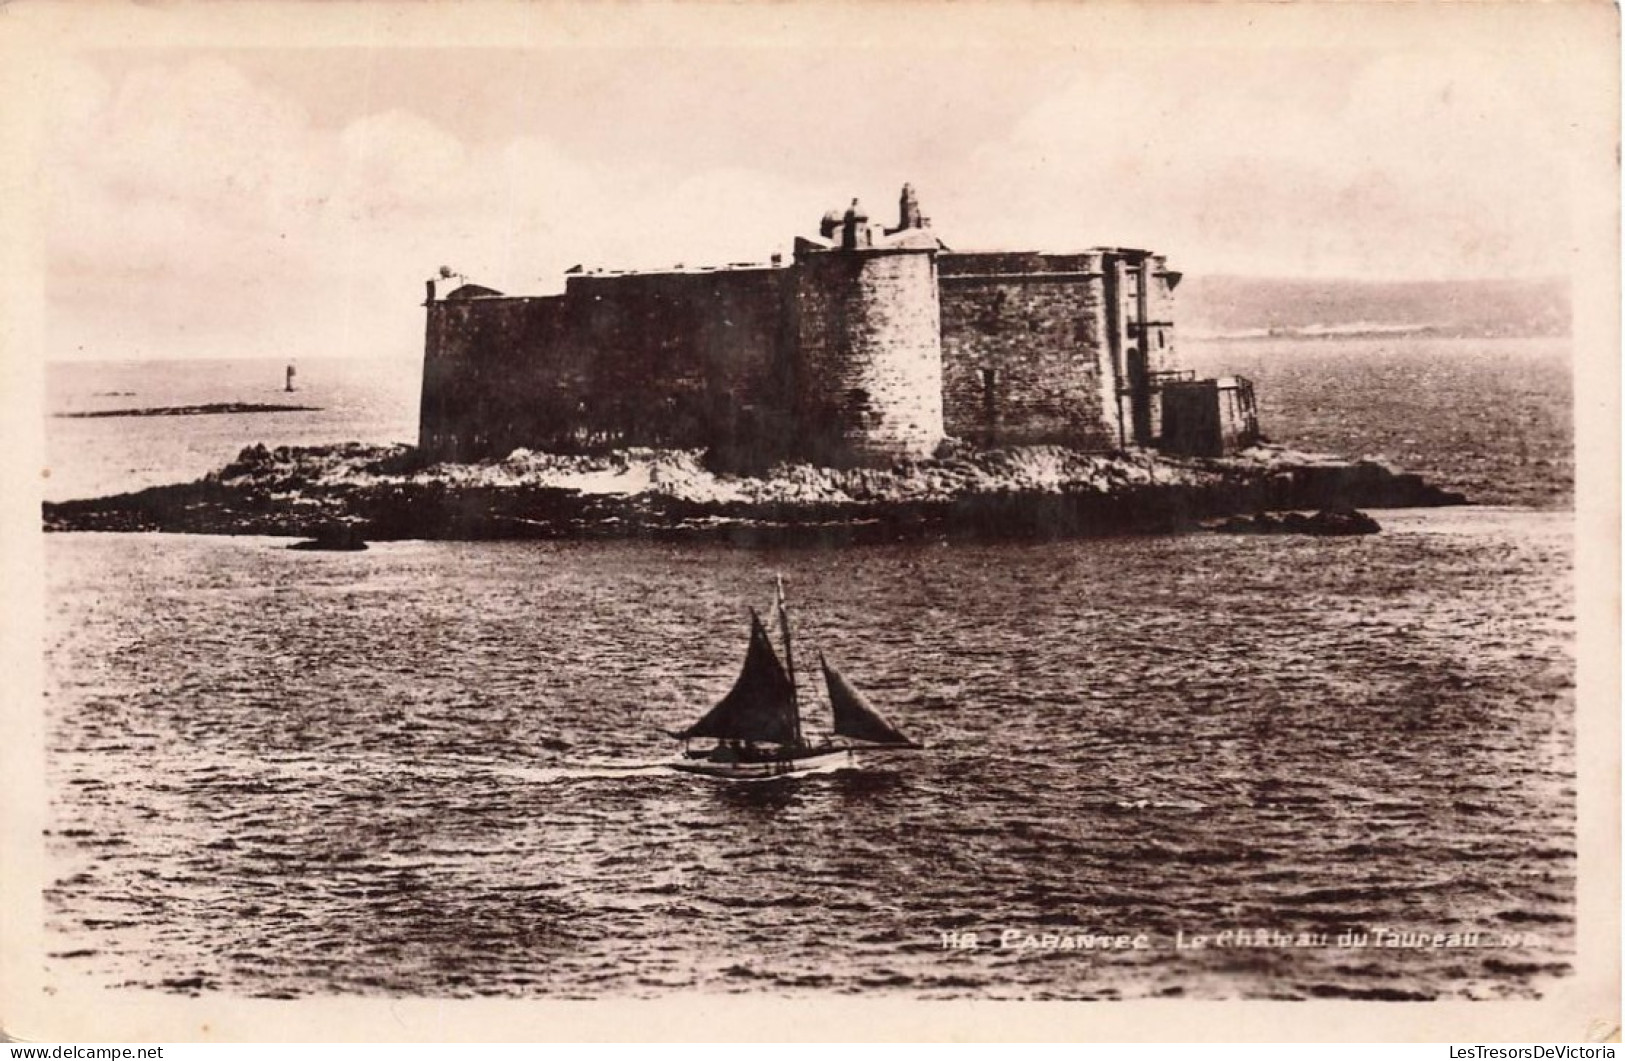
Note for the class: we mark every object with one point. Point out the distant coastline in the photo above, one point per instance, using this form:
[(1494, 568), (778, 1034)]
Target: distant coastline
[(1222, 308), (1357, 330)]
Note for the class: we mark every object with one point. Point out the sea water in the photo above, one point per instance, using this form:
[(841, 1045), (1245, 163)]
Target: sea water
[(1201, 766)]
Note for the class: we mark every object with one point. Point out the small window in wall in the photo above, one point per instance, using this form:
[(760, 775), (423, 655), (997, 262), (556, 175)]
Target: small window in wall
[(858, 411), (991, 319)]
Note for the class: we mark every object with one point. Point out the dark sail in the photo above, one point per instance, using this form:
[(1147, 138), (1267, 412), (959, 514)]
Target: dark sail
[(854, 717), (761, 706)]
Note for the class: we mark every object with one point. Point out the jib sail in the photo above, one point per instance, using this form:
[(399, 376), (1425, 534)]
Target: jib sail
[(854, 717)]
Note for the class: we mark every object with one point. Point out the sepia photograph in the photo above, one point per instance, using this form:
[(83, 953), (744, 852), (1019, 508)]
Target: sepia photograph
[(788, 521)]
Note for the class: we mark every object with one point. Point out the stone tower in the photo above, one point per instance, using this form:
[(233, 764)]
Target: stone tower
[(908, 210), (868, 361)]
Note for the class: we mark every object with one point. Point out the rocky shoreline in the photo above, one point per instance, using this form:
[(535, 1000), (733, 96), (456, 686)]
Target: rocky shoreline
[(212, 409), (382, 493)]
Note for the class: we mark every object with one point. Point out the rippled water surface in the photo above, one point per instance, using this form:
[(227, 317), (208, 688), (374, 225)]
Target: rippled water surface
[(432, 768)]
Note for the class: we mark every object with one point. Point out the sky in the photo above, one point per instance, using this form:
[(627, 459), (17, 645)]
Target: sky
[(228, 201)]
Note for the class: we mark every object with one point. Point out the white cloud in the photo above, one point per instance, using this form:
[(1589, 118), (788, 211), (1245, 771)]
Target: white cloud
[(1416, 164), (196, 210)]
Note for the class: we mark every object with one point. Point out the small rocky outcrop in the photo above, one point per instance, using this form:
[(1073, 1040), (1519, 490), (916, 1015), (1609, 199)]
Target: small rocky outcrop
[(338, 537), (1327, 523)]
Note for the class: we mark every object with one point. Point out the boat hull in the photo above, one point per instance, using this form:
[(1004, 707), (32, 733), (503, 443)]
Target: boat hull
[(764, 769)]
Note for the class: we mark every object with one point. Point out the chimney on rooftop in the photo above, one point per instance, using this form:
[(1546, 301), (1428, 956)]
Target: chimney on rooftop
[(855, 227)]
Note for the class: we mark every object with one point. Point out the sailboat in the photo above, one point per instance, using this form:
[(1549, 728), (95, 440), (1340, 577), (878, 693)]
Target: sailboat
[(757, 726)]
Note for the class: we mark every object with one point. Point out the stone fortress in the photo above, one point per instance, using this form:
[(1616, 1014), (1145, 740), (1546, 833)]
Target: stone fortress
[(873, 344)]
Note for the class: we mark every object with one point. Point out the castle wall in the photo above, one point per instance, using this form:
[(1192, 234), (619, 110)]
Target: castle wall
[(1024, 350), (684, 359), (1148, 320), (483, 378), (868, 369), (1209, 417), (649, 359), (875, 345), (1160, 317)]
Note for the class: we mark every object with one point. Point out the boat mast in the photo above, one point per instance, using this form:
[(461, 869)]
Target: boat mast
[(789, 654)]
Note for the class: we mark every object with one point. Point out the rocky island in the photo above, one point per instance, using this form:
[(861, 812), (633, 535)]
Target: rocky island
[(393, 492), (877, 385)]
